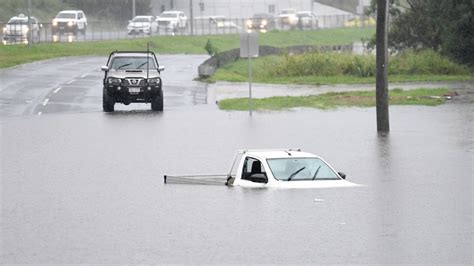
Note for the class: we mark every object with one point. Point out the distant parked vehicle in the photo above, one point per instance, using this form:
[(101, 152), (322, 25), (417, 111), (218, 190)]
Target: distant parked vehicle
[(306, 19), (287, 18), (261, 22), (360, 22), (222, 22), (172, 21), (17, 30), (69, 21), (142, 24)]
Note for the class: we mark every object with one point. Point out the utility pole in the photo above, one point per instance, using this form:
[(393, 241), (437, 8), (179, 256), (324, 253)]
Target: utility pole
[(133, 9), (30, 30), (191, 17), (381, 83)]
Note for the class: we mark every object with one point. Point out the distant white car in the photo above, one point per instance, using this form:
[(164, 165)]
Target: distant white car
[(172, 21), (222, 22), (142, 24), (17, 30), (69, 21), (287, 17), (306, 19)]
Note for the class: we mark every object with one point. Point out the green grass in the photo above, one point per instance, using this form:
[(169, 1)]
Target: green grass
[(12, 55), (429, 97), (332, 68)]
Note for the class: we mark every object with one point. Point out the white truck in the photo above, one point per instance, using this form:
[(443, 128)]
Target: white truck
[(69, 21), (282, 168)]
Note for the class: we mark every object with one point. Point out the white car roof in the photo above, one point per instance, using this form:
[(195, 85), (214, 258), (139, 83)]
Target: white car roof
[(281, 153), (143, 17), (172, 11), (71, 11)]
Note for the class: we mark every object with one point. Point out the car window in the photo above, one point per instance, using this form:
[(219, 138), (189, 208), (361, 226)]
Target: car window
[(66, 15), (252, 166), (169, 15), (294, 169)]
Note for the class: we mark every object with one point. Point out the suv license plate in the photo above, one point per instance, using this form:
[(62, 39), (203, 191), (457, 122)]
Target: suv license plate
[(134, 90)]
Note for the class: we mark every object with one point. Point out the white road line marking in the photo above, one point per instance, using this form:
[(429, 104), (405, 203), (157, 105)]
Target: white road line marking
[(29, 101), (45, 101), (71, 81), (40, 113), (56, 90), (83, 76)]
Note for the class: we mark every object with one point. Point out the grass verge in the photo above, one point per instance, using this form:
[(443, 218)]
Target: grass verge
[(332, 68), (12, 55), (429, 97)]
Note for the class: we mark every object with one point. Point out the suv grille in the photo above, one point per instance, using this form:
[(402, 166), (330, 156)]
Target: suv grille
[(134, 82)]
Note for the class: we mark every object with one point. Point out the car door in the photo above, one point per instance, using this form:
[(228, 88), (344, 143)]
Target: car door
[(252, 171)]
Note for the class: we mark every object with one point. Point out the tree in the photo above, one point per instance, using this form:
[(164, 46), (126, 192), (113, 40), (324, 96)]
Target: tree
[(445, 26)]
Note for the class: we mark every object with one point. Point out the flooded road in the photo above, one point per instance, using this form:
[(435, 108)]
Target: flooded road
[(87, 188)]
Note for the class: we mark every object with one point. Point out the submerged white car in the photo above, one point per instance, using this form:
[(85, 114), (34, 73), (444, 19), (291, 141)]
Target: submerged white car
[(283, 168)]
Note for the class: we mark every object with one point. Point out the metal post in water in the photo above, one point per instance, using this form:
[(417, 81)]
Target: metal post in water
[(381, 83)]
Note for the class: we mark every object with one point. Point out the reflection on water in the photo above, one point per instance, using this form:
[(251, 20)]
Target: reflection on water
[(89, 188)]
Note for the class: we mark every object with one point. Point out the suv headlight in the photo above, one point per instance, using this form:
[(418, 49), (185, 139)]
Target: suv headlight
[(55, 23), (154, 81), (114, 81)]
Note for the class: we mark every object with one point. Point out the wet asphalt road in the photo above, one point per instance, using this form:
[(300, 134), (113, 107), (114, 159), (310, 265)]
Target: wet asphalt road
[(74, 84), (82, 186)]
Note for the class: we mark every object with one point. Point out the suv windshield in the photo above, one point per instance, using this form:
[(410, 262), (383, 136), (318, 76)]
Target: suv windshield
[(296, 169), (125, 62), (66, 15)]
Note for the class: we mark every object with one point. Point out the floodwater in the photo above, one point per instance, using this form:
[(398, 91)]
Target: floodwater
[(88, 188)]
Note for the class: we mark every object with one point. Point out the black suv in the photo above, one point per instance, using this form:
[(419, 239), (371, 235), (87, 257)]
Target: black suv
[(132, 77)]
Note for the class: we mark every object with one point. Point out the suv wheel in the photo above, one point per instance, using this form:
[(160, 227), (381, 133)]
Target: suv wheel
[(157, 102), (107, 102)]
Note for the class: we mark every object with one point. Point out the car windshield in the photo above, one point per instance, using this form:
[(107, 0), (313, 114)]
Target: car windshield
[(297, 169), (17, 21), (169, 15), (141, 19), (288, 12), (66, 15), (138, 62)]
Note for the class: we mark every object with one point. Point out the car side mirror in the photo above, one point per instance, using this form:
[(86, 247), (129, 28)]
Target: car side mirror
[(161, 68), (342, 175), (259, 178), (104, 68)]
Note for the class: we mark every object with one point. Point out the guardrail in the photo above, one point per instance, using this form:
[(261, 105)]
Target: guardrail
[(98, 31)]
